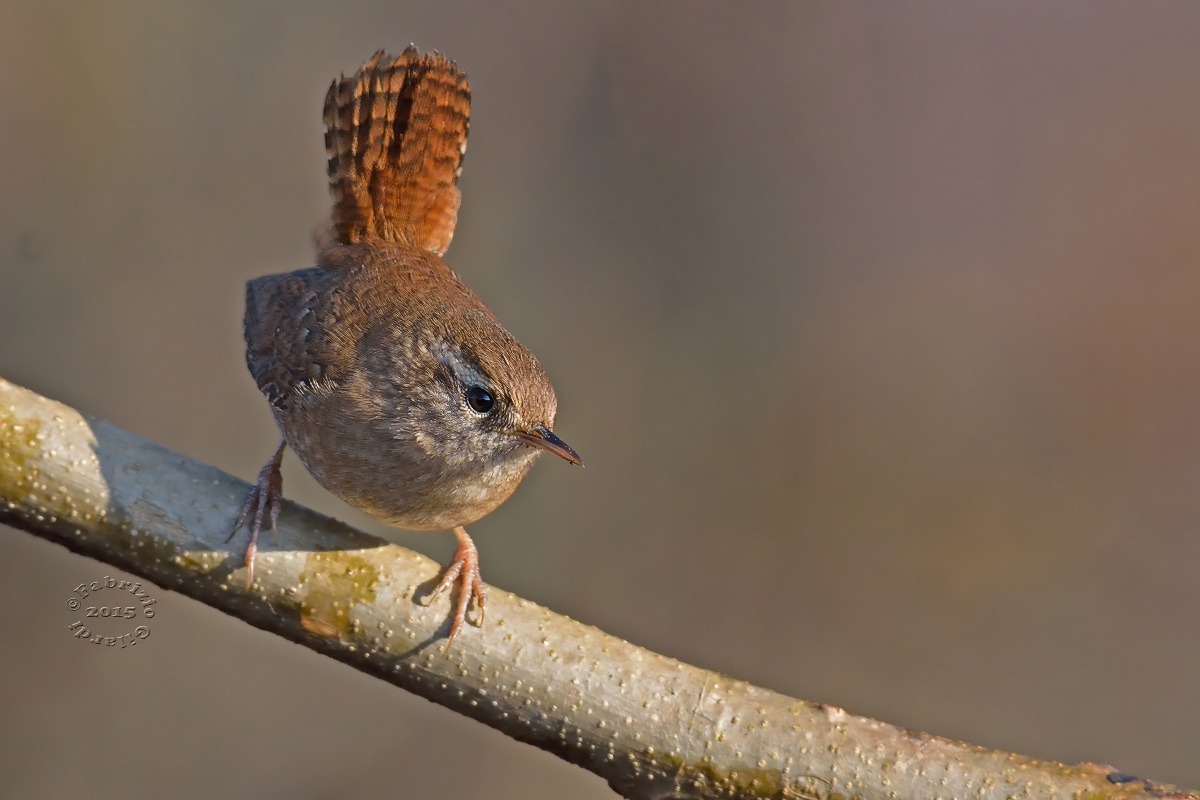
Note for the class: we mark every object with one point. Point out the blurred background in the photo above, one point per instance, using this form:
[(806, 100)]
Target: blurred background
[(878, 326)]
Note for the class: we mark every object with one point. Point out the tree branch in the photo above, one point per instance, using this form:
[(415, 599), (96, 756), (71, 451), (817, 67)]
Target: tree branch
[(650, 726)]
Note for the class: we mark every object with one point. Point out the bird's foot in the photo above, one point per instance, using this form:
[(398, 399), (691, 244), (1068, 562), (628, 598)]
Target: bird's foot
[(462, 570), (262, 504)]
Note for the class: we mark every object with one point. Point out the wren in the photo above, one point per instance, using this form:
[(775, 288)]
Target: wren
[(391, 381)]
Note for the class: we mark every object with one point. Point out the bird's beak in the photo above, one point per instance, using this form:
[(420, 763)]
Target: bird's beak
[(543, 437)]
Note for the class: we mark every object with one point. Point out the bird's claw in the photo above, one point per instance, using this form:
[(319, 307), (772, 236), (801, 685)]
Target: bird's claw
[(262, 504), (462, 570)]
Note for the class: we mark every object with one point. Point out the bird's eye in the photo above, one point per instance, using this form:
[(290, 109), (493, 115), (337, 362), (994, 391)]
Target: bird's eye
[(480, 400)]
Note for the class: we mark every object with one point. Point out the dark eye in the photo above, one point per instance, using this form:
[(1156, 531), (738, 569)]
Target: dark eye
[(480, 399)]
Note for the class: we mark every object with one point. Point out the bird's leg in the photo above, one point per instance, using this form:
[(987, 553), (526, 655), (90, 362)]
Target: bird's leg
[(263, 502), (463, 569)]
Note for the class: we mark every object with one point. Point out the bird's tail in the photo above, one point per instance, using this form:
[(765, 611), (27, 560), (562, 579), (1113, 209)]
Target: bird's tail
[(396, 131)]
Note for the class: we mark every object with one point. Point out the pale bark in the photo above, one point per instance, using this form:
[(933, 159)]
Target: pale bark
[(649, 725)]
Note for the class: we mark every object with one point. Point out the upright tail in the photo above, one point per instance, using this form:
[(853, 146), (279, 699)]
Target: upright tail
[(396, 132)]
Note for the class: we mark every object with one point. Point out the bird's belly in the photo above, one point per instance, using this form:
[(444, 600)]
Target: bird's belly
[(394, 480)]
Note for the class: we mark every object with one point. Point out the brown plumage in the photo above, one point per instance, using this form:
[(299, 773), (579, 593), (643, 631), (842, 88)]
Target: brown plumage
[(394, 384), (396, 133)]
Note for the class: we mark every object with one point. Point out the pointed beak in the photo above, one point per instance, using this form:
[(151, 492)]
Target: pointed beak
[(543, 437)]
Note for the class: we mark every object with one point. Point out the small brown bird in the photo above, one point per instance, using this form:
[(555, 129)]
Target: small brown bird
[(392, 382)]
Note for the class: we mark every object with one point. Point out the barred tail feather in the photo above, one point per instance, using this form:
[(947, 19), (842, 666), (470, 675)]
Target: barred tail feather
[(396, 132)]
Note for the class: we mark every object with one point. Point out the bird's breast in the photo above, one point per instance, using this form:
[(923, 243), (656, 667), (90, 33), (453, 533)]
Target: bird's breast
[(395, 478)]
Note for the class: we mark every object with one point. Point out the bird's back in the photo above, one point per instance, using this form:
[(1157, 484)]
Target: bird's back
[(309, 327)]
